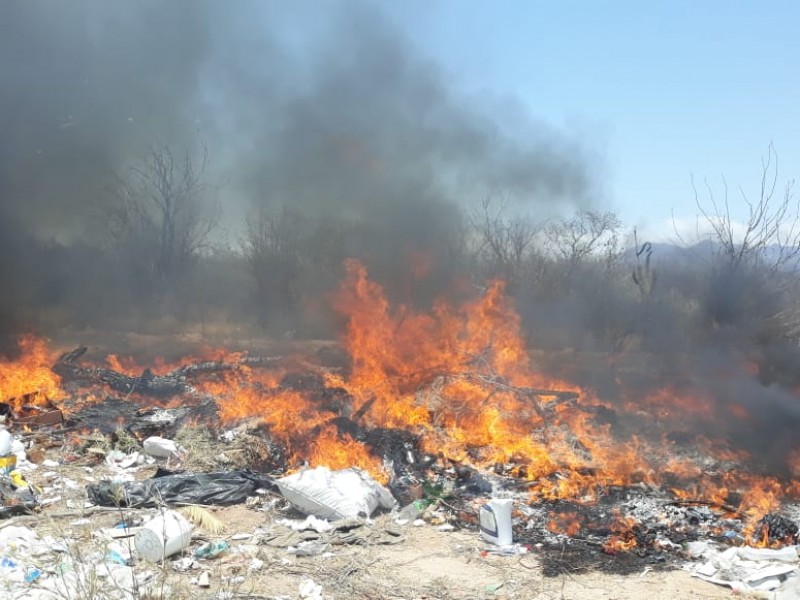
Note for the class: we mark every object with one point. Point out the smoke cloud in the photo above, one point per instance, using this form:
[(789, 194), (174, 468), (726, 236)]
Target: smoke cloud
[(342, 117)]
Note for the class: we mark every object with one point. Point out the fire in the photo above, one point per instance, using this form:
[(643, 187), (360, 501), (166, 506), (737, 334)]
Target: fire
[(460, 378), (623, 538), (567, 523), (29, 379)]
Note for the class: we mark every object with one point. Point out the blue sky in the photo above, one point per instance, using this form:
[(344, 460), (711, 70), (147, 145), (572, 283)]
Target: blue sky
[(659, 92)]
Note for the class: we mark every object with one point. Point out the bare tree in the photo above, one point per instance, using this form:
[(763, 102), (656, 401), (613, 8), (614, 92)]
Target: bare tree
[(161, 222), (504, 243), (587, 233), (769, 236), (754, 280), (292, 258)]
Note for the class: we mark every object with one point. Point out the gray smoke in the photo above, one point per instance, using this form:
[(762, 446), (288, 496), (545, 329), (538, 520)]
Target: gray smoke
[(346, 117)]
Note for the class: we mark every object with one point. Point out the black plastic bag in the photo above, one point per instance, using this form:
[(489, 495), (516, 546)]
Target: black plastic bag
[(16, 501), (218, 489)]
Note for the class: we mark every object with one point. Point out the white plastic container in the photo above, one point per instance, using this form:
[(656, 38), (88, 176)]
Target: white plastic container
[(6, 441), (167, 534), (495, 522)]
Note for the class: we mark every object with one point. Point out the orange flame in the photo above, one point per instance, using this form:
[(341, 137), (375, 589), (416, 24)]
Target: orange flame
[(29, 374)]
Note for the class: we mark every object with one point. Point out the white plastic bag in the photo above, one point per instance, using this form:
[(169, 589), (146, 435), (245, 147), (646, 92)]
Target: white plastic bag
[(345, 494), (159, 447)]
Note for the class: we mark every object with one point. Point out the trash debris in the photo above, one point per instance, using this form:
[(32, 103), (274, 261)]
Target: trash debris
[(310, 590), (412, 511), (16, 500), (204, 580), (308, 548), (348, 493), (745, 569), (311, 522), (344, 531), (221, 489), (159, 447), (211, 549), (8, 460), (495, 521), (163, 536)]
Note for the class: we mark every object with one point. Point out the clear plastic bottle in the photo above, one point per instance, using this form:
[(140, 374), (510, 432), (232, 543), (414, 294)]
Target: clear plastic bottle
[(413, 511)]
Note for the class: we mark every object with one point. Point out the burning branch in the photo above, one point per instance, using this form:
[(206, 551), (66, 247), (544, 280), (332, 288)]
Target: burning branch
[(160, 386)]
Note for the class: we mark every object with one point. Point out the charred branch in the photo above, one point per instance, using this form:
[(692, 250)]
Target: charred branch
[(159, 386)]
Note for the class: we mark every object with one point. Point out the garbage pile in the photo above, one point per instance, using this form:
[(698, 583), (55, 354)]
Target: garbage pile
[(120, 498), (150, 511)]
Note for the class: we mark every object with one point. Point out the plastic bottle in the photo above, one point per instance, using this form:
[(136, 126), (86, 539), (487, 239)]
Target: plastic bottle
[(412, 511)]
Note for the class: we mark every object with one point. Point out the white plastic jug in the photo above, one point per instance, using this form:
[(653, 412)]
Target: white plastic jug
[(495, 521), (167, 534), (6, 440)]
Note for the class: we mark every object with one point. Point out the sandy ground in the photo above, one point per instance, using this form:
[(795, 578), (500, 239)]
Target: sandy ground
[(430, 564), (427, 565)]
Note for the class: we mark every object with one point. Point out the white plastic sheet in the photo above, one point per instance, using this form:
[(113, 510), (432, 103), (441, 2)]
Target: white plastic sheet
[(746, 569)]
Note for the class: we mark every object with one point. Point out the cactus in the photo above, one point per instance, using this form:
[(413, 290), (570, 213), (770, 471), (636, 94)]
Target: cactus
[(643, 275)]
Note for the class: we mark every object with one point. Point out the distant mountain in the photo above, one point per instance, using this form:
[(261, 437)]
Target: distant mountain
[(697, 255)]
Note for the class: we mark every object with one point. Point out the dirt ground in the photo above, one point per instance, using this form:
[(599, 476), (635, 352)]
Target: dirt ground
[(427, 565), (431, 564)]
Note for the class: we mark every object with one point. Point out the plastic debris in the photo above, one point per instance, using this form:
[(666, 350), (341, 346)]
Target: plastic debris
[(348, 493), (211, 549), (163, 536), (159, 447), (308, 548), (310, 590), (746, 570), (220, 489), (311, 522), (412, 511)]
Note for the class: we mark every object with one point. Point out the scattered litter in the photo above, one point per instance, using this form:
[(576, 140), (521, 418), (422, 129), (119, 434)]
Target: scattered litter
[(511, 550), (344, 531), (308, 548), (745, 569), (204, 580), (255, 565), (311, 522), (310, 590), (412, 511)]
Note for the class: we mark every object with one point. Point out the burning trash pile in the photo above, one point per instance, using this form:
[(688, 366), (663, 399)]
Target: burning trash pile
[(435, 420)]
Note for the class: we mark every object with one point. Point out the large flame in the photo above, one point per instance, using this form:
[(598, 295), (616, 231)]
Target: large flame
[(28, 379), (461, 380)]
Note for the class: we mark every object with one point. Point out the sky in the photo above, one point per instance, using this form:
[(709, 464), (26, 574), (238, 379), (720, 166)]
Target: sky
[(659, 93)]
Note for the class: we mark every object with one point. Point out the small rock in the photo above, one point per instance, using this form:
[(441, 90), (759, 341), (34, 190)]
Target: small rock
[(204, 580)]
